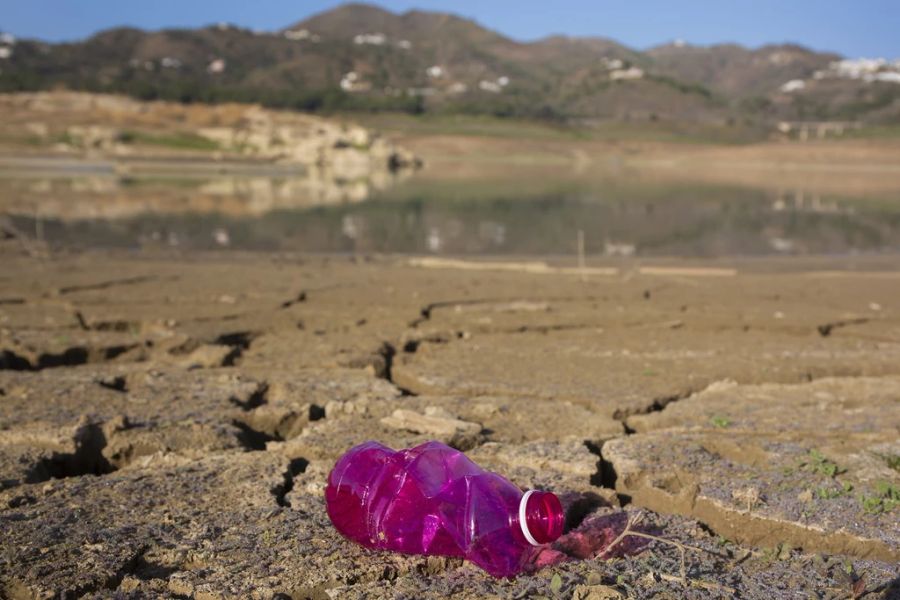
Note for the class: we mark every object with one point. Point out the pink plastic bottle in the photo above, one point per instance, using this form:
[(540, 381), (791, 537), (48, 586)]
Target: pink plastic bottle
[(433, 500)]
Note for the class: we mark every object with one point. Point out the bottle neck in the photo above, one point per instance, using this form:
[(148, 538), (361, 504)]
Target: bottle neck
[(540, 517)]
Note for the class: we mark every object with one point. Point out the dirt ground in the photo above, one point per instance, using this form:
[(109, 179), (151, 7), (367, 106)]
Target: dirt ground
[(167, 422)]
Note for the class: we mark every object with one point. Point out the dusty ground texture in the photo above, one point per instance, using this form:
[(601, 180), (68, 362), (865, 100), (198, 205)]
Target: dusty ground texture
[(167, 423)]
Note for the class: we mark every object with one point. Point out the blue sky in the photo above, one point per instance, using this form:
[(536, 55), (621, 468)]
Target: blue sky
[(851, 27)]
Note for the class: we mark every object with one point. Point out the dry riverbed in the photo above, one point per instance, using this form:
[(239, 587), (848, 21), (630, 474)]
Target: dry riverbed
[(167, 422)]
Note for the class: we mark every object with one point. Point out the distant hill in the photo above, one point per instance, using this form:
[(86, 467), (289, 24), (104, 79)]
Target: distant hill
[(361, 57), (737, 71)]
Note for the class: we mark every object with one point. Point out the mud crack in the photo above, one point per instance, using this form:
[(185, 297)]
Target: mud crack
[(86, 459), (256, 399), (605, 476), (239, 342), (388, 353), (656, 405), (296, 467), (119, 325), (236, 344), (299, 298), (102, 285), (70, 357), (252, 439), (825, 329), (426, 311), (116, 383)]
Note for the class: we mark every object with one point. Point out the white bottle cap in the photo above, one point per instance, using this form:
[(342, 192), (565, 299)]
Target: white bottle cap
[(523, 504)]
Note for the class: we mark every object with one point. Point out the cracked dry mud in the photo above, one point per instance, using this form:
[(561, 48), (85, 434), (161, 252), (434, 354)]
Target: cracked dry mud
[(167, 425)]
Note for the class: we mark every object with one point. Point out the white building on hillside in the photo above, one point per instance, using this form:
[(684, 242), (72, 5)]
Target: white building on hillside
[(374, 39), (794, 85), (863, 69), (216, 67), (625, 74), (298, 34)]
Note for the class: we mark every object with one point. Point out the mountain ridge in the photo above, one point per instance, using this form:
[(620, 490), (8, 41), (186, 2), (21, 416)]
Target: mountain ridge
[(363, 57)]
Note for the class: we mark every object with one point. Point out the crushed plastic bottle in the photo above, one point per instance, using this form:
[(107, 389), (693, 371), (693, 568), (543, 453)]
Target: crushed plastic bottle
[(433, 500)]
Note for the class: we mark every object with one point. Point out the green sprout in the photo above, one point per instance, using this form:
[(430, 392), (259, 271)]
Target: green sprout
[(885, 499), (720, 422), (821, 465)]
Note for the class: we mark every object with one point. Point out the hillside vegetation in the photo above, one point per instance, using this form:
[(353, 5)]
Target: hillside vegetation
[(362, 58)]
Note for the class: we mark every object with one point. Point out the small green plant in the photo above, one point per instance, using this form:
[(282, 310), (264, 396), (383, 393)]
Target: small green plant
[(556, 583), (885, 499), (888, 490), (126, 137), (892, 461), (870, 504), (817, 463), (855, 581), (828, 493), (720, 422), (268, 537), (769, 555)]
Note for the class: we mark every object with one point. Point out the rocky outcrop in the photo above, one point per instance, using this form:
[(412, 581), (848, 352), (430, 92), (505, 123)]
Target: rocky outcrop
[(330, 148), (121, 127), (236, 159)]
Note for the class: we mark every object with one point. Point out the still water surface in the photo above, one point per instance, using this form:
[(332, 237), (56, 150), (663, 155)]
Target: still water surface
[(626, 215)]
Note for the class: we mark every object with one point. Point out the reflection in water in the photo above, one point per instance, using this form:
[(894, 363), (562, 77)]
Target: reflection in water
[(622, 216), (100, 197)]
